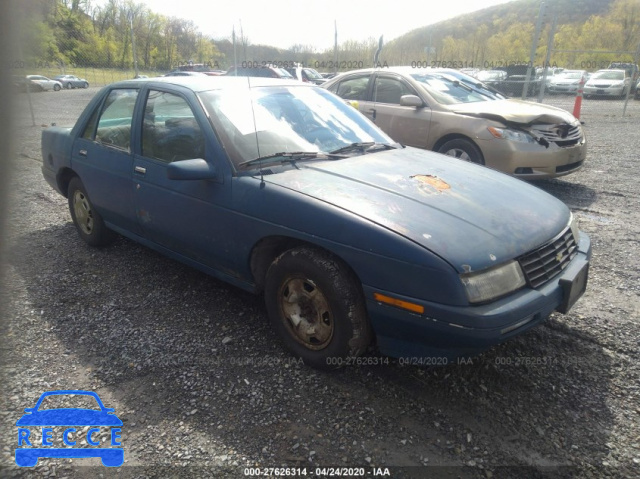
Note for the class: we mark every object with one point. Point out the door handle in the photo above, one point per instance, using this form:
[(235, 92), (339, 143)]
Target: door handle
[(82, 153), (140, 169), (373, 113)]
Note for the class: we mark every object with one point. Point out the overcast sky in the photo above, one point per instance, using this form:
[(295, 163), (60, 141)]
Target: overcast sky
[(282, 23)]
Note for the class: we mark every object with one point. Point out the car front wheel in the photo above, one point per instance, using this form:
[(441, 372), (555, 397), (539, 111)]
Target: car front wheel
[(56, 87), (463, 150), (85, 85), (87, 220), (316, 307)]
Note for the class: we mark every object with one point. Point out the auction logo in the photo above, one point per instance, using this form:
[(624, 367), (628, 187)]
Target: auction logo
[(45, 424)]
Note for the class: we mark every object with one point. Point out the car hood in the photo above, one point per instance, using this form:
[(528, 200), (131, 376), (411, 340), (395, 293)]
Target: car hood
[(598, 81), (565, 81), (469, 215), (514, 111)]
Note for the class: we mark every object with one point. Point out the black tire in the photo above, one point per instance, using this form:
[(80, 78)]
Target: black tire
[(88, 222), (463, 150), (56, 87), (324, 296)]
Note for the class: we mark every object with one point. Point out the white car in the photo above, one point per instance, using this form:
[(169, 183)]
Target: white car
[(566, 81), (614, 83), (43, 83)]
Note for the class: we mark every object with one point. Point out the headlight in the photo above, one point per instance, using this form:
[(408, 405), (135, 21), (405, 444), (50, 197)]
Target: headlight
[(512, 135), (573, 224), (494, 282)]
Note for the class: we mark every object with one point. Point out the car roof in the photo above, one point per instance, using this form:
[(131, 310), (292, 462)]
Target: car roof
[(205, 82)]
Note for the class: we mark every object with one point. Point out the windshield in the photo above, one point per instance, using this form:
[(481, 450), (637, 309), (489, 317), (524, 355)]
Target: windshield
[(265, 121), (311, 73), (448, 90), (610, 75)]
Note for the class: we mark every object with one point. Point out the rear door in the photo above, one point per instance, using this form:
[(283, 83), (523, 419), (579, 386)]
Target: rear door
[(101, 156)]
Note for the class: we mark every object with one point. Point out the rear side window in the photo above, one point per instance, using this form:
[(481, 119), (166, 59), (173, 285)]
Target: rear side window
[(170, 131), (114, 125), (353, 88)]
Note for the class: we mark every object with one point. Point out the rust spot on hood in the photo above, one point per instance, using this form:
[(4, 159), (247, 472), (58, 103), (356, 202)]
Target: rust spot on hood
[(433, 181)]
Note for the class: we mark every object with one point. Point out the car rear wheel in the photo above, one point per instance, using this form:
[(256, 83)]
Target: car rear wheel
[(316, 307), (463, 150), (87, 220)]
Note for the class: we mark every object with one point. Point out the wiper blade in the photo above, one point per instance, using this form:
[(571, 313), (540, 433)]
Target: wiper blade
[(363, 147), (288, 156)]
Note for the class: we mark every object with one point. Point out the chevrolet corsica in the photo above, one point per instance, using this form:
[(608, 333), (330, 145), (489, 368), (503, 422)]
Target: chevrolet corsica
[(283, 189)]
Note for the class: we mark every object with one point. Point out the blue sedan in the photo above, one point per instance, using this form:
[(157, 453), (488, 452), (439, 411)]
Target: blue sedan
[(282, 189)]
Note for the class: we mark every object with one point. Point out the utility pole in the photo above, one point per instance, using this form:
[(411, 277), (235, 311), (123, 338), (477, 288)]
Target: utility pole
[(133, 44), (534, 47), (552, 33)]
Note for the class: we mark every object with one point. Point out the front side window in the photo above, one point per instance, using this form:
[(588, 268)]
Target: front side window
[(170, 131), (114, 125), (389, 90)]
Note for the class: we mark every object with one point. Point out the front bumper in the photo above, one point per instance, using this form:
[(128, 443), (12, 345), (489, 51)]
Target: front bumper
[(452, 331), (605, 91), (531, 161)]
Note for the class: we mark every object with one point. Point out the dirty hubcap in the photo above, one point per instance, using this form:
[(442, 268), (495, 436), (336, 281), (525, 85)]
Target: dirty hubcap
[(306, 313), (82, 210)]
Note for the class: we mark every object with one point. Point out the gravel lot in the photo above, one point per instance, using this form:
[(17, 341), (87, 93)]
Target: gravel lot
[(204, 388)]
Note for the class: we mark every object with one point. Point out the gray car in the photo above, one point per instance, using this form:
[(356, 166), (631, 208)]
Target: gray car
[(72, 81), (436, 111), (567, 81)]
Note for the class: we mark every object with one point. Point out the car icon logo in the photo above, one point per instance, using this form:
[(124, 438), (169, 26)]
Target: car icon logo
[(70, 418)]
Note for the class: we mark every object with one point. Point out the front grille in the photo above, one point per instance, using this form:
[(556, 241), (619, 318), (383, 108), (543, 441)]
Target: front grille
[(542, 264), (562, 134)]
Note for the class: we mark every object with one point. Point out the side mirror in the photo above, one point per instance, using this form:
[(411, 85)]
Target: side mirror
[(196, 169), (411, 100)]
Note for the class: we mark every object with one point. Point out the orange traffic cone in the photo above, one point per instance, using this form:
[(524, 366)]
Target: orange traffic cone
[(578, 104)]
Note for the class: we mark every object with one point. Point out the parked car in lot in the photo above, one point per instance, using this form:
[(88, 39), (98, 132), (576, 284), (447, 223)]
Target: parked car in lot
[(493, 78), (281, 188), (260, 71), (516, 81), (567, 81), (607, 83), (435, 111), (306, 74), (181, 73), (42, 83), (72, 81)]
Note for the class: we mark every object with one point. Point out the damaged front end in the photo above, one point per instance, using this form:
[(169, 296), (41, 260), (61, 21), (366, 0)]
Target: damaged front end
[(532, 141)]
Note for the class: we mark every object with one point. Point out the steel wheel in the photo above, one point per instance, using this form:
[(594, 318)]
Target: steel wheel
[(87, 220), (316, 307), (84, 215), (306, 313)]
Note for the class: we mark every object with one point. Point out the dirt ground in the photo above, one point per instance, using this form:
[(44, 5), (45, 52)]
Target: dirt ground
[(205, 390)]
